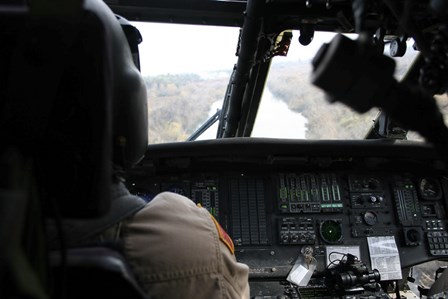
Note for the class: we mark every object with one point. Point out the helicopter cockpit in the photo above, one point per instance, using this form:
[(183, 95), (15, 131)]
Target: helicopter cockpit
[(321, 147), (371, 202)]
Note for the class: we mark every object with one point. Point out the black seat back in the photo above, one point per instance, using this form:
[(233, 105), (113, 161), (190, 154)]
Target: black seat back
[(71, 104), (56, 107)]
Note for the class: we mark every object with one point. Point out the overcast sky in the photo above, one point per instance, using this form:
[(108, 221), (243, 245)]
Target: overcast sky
[(172, 48)]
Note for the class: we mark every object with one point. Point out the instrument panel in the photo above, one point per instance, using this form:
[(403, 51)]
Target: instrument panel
[(276, 212)]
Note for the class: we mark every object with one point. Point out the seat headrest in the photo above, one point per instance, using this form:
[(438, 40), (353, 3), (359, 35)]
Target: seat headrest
[(130, 115), (72, 98)]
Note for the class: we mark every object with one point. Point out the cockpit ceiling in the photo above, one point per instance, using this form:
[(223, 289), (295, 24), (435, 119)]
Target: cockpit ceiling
[(324, 15)]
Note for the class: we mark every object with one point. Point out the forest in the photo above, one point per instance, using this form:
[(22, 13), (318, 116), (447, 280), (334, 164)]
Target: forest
[(179, 103)]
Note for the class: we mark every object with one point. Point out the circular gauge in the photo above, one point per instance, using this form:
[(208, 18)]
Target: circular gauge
[(430, 188), (331, 231), (370, 218), (413, 237)]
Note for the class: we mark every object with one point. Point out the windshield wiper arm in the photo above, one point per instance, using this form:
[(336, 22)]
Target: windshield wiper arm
[(207, 124), (225, 106)]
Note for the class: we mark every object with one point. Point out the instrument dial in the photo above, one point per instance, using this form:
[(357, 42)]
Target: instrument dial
[(430, 189), (331, 231), (370, 218)]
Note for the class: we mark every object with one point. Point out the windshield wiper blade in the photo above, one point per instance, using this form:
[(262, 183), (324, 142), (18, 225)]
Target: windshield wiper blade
[(225, 106), (207, 124)]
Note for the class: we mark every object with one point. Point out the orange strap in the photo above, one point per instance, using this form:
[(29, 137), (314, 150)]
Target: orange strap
[(223, 236)]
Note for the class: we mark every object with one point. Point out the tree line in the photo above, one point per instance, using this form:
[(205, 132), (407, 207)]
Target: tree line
[(179, 103)]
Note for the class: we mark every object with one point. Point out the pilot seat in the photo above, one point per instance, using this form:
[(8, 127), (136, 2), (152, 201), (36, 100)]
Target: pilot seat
[(72, 118)]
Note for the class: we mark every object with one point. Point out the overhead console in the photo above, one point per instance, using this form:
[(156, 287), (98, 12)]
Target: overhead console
[(282, 201)]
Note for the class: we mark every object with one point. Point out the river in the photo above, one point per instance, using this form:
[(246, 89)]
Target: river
[(274, 120)]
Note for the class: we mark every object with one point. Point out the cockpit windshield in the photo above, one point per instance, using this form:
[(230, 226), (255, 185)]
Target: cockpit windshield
[(292, 107), (187, 69)]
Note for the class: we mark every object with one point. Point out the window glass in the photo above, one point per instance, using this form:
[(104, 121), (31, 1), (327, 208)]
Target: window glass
[(292, 107), (186, 69)]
